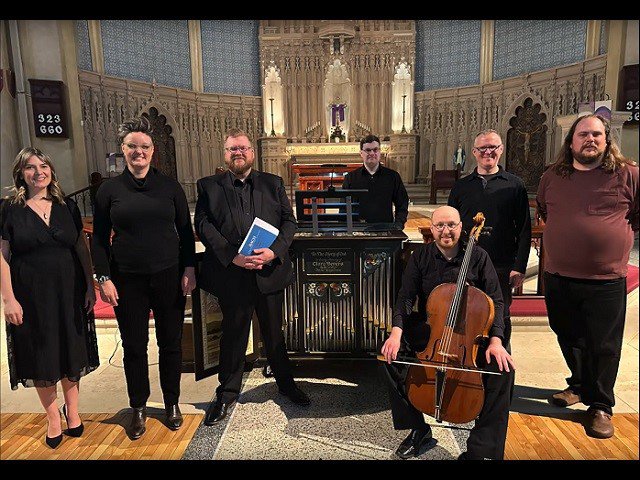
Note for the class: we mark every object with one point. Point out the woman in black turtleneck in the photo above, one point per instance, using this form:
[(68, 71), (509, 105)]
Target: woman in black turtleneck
[(147, 265)]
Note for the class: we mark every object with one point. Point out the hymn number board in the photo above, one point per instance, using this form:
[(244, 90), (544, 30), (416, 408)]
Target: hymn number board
[(49, 117)]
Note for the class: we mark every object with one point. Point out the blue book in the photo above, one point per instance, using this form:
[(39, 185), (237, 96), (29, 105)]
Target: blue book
[(260, 235)]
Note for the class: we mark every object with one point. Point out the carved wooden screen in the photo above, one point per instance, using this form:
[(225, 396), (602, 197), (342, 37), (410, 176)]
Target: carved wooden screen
[(164, 154), (526, 144)]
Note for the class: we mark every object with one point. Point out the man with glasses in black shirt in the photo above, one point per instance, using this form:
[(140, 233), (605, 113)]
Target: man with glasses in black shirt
[(502, 197), (429, 266), (384, 185)]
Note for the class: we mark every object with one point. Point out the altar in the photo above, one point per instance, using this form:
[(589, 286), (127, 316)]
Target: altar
[(314, 176), (337, 152), (316, 166), (277, 155)]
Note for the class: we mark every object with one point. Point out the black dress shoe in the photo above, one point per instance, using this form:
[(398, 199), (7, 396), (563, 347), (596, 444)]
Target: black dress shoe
[(217, 411), (53, 442), (75, 431), (137, 426), (296, 395), (415, 443), (174, 416)]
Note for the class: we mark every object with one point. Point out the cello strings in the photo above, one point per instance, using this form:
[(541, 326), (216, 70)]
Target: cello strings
[(455, 305), (457, 298)]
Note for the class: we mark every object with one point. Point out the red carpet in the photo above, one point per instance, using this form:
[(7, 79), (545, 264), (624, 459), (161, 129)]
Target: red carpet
[(521, 307), (535, 307), (104, 310)]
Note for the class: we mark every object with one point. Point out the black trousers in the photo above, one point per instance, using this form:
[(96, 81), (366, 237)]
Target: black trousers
[(238, 303), (505, 287), (489, 433), (507, 295), (588, 318), (162, 293)]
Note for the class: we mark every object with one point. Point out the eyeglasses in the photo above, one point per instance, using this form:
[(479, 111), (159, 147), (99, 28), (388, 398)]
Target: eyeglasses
[(441, 226), (235, 149), (488, 149), (371, 150), (133, 146)]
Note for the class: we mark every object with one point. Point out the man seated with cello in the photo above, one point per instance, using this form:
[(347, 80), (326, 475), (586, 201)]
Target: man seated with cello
[(428, 267)]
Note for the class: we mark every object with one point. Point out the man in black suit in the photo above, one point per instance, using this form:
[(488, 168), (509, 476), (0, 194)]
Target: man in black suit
[(227, 204)]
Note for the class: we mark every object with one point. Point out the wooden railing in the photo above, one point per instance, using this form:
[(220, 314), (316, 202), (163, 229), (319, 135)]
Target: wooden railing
[(86, 196), (84, 199)]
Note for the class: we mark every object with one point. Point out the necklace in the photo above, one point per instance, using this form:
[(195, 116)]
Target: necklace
[(44, 214)]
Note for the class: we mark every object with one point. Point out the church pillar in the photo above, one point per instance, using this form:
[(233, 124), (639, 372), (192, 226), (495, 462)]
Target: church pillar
[(304, 123), (273, 153), (432, 155), (423, 160), (441, 153), (293, 128), (403, 155)]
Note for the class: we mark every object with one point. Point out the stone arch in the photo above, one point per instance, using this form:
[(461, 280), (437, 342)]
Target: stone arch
[(337, 99), (517, 102), (164, 136), (526, 136)]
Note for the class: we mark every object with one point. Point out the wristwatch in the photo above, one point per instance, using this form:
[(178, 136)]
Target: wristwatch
[(101, 279)]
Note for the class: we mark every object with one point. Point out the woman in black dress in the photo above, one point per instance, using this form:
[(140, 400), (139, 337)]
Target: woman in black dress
[(47, 291), (148, 264)]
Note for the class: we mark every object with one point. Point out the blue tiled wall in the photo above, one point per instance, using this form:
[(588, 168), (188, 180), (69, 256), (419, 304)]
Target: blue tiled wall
[(84, 47), (230, 56), (603, 37), (447, 53), (522, 46), (148, 49)]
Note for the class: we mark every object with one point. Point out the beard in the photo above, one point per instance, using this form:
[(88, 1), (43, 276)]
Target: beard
[(453, 239), (588, 159), (240, 169)]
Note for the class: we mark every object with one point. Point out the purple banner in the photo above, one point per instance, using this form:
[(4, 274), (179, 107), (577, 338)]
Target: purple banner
[(337, 114)]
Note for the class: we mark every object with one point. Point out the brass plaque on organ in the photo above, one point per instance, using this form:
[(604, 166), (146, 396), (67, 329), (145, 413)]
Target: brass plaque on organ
[(328, 261)]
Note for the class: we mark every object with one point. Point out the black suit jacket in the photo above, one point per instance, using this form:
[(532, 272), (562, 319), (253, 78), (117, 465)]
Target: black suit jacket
[(220, 234)]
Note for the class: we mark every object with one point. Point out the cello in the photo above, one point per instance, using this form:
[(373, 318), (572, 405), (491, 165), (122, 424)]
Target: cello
[(447, 384)]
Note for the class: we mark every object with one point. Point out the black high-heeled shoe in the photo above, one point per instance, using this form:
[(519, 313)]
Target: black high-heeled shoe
[(52, 442), (75, 431)]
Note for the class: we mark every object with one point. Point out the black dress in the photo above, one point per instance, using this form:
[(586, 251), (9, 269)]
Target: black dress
[(57, 339)]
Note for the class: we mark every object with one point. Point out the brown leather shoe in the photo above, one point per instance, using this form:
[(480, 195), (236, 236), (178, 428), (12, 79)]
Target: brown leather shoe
[(565, 398), (599, 424)]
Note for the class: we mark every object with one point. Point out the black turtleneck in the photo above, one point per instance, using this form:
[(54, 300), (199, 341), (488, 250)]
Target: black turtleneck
[(151, 224)]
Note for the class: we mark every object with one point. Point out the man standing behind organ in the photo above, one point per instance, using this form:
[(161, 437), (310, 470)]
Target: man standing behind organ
[(384, 185)]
